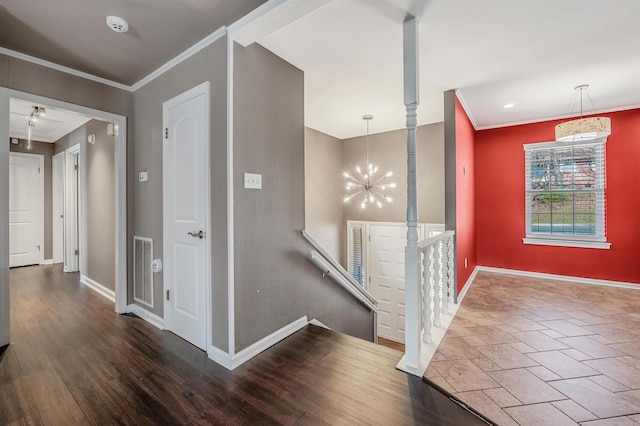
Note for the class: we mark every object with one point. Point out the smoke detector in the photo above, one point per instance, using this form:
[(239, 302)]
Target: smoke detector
[(117, 24)]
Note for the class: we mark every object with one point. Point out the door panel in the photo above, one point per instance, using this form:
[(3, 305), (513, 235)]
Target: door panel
[(386, 260), (185, 193), (26, 199)]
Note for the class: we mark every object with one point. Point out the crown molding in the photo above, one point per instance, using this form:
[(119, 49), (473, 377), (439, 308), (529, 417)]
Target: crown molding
[(62, 68)]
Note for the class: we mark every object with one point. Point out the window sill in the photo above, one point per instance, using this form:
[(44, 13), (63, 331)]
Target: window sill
[(567, 243)]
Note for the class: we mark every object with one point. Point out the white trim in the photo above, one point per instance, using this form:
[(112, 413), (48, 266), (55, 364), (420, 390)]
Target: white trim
[(211, 38), (4, 220), (561, 144), (231, 327), (559, 117), (57, 207), (466, 109), (220, 357), (47, 262), (199, 90), (233, 361), (62, 68), (566, 243), (580, 280), (270, 17), (146, 315), (40, 212), (319, 324), (99, 288), (120, 140), (254, 15), (428, 350), (73, 209), (467, 285), (438, 333)]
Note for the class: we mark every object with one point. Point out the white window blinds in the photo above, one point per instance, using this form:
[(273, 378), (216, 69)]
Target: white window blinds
[(356, 264), (565, 190)]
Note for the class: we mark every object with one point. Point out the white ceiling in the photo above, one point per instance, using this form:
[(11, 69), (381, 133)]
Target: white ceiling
[(531, 53), (528, 52), (54, 125)]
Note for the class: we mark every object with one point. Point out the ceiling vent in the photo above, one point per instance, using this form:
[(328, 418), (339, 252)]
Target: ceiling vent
[(117, 24)]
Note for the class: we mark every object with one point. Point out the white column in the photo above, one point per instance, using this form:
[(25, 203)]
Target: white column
[(412, 258)]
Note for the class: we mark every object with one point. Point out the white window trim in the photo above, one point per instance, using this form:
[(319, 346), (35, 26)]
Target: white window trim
[(596, 242)]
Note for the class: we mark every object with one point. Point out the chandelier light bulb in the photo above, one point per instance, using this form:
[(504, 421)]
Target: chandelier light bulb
[(368, 184)]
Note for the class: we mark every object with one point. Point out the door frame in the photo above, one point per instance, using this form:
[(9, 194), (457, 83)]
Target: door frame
[(73, 211), (57, 192), (40, 213), (201, 89), (120, 139)]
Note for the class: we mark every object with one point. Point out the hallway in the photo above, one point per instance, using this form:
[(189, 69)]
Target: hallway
[(73, 360), (530, 351)]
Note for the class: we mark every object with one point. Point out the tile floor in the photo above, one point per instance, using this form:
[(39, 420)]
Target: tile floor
[(526, 351)]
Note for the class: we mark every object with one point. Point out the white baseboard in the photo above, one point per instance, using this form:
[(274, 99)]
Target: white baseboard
[(590, 281), (148, 316), (47, 262), (109, 294), (467, 285), (428, 350), (318, 323), (231, 362)]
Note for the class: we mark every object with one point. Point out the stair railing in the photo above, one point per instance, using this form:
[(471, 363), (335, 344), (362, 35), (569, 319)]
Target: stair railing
[(329, 266), (432, 282)]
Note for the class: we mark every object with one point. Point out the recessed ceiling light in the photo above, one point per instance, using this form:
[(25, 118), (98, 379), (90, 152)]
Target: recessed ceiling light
[(507, 106), (117, 24)]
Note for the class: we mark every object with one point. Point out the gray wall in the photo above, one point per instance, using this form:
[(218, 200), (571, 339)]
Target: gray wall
[(388, 151), (323, 192), (101, 225), (39, 80), (99, 173), (45, 149), (275, 283), (207, 65)]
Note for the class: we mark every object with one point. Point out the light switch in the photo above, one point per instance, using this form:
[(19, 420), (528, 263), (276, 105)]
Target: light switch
[(252, 181), (143, 176)]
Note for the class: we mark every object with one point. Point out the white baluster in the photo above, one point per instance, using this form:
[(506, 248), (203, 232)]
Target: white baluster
[(451, 287), (427, 288), (445, 277), (437, 287)]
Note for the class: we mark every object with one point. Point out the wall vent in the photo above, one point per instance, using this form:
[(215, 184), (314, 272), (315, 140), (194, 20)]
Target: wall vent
[(142, 273)]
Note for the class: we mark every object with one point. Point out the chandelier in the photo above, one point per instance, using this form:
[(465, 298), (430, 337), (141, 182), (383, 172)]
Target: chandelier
[(369, 185), (583, 128)]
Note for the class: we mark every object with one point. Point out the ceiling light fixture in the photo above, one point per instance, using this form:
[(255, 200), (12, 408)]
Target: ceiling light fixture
[(117, 24), (583, 128), (369, 184), (507, 106), (32, 119)]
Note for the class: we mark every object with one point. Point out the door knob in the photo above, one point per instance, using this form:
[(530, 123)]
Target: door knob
[(197, 234)]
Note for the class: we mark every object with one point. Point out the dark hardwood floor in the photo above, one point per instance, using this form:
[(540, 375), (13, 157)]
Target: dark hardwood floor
[(73, 360)]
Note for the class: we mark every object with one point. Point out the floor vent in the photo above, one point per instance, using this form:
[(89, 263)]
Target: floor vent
[(142, 273)]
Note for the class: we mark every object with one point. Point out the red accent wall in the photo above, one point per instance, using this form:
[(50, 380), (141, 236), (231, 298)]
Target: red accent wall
[(500, 204), (465, 195)]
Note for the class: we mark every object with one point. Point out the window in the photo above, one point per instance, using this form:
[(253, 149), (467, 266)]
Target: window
[(565, 193), (356, 251)]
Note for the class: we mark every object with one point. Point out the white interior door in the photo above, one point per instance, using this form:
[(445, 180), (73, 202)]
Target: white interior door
[(386, 283), (57, 207), (185, 193), (26, 209)]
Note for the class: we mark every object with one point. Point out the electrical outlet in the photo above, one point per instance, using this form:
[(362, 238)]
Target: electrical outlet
[(143, 176), (252, 181)]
